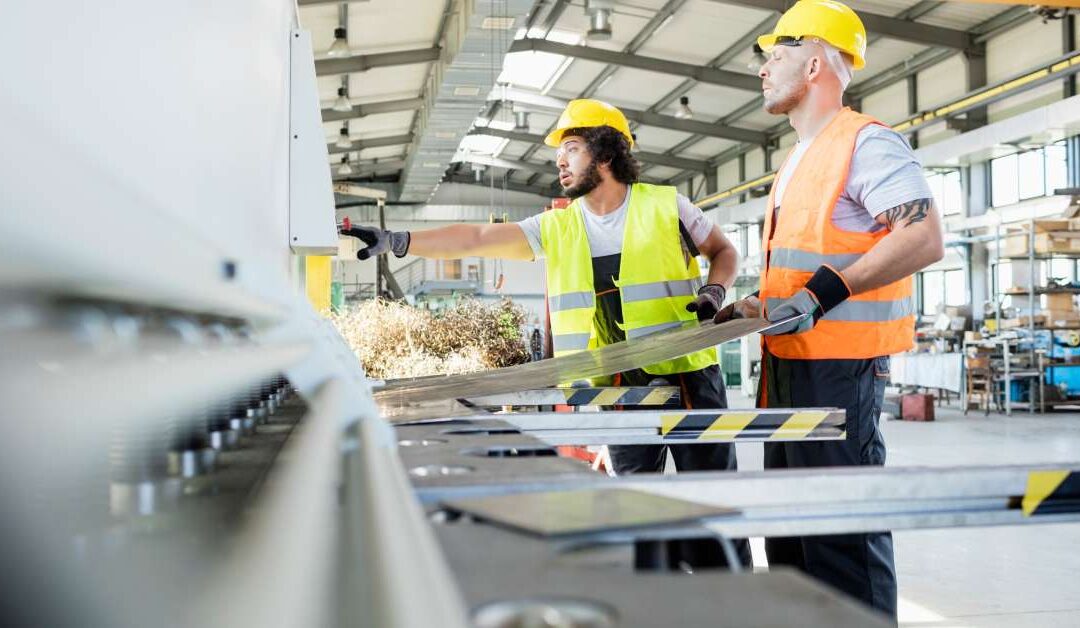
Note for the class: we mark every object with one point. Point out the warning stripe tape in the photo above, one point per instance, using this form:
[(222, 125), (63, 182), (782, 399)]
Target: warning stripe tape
[(1051, 492), (731, 426), (621, 396)]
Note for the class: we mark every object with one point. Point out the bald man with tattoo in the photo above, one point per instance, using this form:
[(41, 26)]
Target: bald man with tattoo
[(850, 219)]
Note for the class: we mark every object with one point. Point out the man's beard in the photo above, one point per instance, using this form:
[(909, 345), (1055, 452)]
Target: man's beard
[(787, 101), (588, 183)]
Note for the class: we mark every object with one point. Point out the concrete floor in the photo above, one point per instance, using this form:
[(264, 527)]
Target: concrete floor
[(1012, 577)]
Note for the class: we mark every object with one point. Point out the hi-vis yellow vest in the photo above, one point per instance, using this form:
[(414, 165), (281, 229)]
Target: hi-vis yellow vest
[(655, 281)]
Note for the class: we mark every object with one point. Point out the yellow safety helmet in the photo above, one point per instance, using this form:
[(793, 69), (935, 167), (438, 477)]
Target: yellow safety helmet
[(587, 112), (828, 20)]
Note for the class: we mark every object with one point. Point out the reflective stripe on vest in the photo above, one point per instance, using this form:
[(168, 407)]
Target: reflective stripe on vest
[(569, 342), (571, 301), (659, 290), (809, 262), (862, 311)]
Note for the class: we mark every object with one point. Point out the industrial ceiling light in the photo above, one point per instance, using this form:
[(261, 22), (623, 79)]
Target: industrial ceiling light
[(341, 103), (340, 47), (684, 112), (599, 12), (521, 120), (343, 140), (345, 169)]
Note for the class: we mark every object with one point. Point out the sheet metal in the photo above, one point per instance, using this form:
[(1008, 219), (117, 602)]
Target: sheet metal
[(591, 510), (623, 356)]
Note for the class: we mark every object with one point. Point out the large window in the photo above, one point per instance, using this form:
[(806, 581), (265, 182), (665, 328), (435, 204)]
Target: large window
[(1029, 174), (948, 194), (753, 240), (933, 292), (942, 287)]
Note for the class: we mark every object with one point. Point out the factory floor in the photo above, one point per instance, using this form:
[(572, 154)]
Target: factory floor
[(979, 577)]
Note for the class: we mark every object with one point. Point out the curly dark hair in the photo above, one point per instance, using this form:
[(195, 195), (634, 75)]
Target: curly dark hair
[(608, 146)]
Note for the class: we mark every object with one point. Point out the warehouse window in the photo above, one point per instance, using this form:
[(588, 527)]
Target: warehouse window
[(1004, 184), (1004, 277), (735, 237), (955, 290), (753, 240), (942, 287), (1030, 174), (948, 194), (933, 291), (1057, 170)]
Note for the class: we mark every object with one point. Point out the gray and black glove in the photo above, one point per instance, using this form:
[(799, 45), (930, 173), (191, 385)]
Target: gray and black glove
[(379, 241), (710, 298), (729, 311), (825, 290)]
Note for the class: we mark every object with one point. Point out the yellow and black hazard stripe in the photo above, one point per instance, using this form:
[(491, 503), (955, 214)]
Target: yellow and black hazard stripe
[(621, 396), (1051, 492), (731, 426)]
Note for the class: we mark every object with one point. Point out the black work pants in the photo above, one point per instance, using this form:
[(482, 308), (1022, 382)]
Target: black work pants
[(860, 565), (699, 389)]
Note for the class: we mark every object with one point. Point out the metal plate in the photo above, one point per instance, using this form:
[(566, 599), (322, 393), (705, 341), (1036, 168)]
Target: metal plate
[(580, 512), (616, 358)]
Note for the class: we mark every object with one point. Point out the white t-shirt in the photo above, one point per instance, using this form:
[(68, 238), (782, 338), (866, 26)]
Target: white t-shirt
[(884, 173), (605, 233)]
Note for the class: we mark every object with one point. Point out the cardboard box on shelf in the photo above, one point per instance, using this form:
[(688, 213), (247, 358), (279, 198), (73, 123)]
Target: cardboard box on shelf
[(1022, 321), (1067, 318), (1060, 302), (1061, 242), (1046, 225)]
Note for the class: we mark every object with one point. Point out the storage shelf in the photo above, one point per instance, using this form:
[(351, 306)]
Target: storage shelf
[(1024, 293)]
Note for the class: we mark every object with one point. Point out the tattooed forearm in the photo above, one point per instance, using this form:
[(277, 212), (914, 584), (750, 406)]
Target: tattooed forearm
[(907, 214)]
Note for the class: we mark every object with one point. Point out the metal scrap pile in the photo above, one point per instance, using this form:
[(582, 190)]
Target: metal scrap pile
[(394, 340)]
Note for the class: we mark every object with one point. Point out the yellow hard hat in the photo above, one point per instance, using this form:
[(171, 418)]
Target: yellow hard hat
[(587, 112), (828, 20)]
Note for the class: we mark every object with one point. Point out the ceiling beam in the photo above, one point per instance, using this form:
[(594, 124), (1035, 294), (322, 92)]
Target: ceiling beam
[(513, 186), (372, 142), (363, 63), (366, 169), (507, 164), (894, 28), (372, 108), (735, 80), (658, 159), (648, 118)]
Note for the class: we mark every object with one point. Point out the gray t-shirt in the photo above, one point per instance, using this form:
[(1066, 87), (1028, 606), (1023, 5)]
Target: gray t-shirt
[(605, 232), (884, 173)]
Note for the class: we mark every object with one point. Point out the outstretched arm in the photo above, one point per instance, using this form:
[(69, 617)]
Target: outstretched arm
[(501, 240)]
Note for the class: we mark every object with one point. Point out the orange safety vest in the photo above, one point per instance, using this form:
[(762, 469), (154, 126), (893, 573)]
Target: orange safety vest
[(874, 323)]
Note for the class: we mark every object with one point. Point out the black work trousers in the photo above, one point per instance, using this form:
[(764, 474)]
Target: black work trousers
[(860, 565), (698, 389)]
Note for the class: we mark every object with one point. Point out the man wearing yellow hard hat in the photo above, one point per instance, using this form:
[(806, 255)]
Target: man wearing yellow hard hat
[(621, 264), (850, 219)]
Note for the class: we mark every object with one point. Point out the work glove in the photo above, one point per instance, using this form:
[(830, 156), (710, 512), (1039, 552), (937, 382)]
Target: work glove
[(825, 290), (379, 241), (747, 307), (709, 299)]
